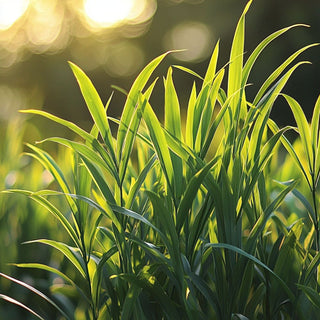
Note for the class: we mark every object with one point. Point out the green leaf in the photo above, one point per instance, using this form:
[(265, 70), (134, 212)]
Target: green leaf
[(47, 161), (152, 251), (264, 107), (131, 302), (132, 131), (89, 154), (199, 227), (311, 294), (100, 180), (95, 106), (286, 143), (98, 274), (190, 194), (37, 292), (52, 209), (259, 49), (172, 107), (255, 260), (190, 116), (16, 302), (236, 61), (202, 103), (187, 70), (132, 101), (55, 271), (205, 290), (311, 269), (211, 70), (275, 74), (108, 213), (207, 112), (167, 222), (70, 125), (71, 253), (304, 130), (156, 291), (261, 222), (260, 163), (173, 126), (158, 139), (137, 185), (304, 201), (207, 127), (315, 138)]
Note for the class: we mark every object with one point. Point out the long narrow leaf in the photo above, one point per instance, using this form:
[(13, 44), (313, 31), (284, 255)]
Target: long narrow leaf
[(95, 106), (18, 303), (259, 49), (37, 292), (159, 142), (55, 271), (72, 254), (132, 100), (275, 74), (255, 260), (303, 128)]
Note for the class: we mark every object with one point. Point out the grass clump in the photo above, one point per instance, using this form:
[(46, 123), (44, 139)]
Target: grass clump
[(184, 220)]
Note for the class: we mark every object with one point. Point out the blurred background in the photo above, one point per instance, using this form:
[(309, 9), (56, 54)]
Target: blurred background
[(113, 40)]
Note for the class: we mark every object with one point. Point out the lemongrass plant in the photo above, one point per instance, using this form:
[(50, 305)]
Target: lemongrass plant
[(182, 220)]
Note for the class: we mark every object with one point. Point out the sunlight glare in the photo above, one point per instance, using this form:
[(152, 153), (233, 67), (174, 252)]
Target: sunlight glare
[(11, 11), (106, 13)]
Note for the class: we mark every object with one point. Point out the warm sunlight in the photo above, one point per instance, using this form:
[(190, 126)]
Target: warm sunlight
[(105, 13), (11, 11)]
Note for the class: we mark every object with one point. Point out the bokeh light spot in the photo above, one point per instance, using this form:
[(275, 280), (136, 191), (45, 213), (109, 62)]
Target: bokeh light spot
[(101, 14), (11, 11), (195, 37), (106, 13), (46, 25), (124, 59)]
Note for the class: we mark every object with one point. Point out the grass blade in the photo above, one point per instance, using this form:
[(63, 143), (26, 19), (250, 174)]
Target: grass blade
[(52, 209), (37, 292), (132, 100), (160, 145), (190, 193), (211, 70), (132, 131), (55, 271), (16, 302), (311, 294), (72, 254), (236, 61), (95, 107), (275, 74), (253, 259), (258, 50), (303, 128), (173, 126)]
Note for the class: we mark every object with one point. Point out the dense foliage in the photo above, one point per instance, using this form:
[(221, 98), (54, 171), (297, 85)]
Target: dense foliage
[(211, 217)]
